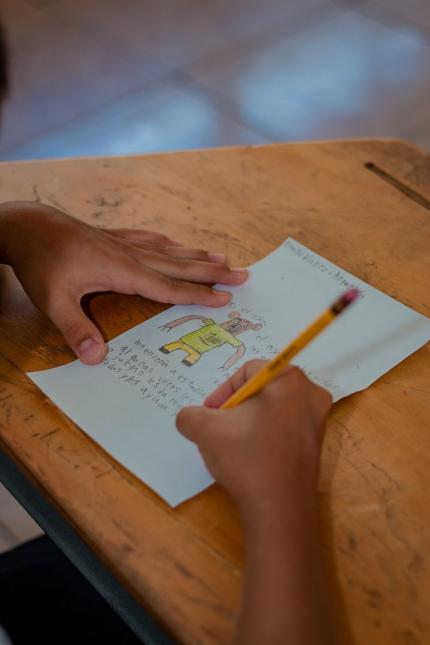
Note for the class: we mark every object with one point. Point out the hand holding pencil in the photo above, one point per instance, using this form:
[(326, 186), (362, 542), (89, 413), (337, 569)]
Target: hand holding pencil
[(277, 364), (265, 453)]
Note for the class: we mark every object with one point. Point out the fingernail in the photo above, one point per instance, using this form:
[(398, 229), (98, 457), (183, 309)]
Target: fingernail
[(217, 257), (90, 350), (240, 270), (223, 293)]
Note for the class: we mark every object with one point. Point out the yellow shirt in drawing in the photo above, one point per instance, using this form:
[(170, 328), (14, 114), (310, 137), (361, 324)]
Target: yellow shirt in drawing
[(209, 336)]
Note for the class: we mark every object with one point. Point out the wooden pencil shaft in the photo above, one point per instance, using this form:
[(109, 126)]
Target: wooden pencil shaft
[(277, 364)]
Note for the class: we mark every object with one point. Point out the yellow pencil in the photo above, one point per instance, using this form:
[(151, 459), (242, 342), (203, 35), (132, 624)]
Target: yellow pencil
[(277, 364)]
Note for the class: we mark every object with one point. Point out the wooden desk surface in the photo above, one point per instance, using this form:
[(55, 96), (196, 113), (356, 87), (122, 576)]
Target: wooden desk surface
[(364, 205)]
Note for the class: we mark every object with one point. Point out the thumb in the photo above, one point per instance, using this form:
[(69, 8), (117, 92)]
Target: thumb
[(80, 333), (191, 420)]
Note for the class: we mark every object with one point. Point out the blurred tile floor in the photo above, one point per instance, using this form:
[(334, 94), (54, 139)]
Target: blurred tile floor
[(110, 77)]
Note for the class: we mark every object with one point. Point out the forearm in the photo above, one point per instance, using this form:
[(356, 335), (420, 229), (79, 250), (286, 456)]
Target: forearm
[(236, 356), (7, 212), (15, 218), (28, 230), (284, 599)]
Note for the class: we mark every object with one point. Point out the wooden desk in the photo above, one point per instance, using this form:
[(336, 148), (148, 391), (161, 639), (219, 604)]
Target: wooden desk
[(364, 205)]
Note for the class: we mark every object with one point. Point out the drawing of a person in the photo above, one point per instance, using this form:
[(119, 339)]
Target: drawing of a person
[(209, 336)]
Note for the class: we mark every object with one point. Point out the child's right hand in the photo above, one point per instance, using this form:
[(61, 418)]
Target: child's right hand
[(265, 452), (267, 449)]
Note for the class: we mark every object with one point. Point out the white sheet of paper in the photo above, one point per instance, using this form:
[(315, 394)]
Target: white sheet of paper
[(128, 404)]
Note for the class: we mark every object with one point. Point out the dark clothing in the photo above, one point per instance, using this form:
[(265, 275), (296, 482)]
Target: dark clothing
[(45, 600)]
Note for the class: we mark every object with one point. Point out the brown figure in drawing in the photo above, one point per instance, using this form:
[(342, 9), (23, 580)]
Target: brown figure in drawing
[(209, 336)]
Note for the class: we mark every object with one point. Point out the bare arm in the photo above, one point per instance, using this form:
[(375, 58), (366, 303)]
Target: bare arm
[(180, 321), (265, 452), (5, 227), (240, 351), (284, 599)]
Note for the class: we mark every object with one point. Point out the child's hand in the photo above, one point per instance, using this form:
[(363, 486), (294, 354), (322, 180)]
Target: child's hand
[(265, 452), (267, 447), (58, 260)]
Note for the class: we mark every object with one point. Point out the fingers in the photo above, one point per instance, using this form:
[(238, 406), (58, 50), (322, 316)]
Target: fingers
[(192, 270), (229, 387), (296, 381), (80, 333), (181, 252), (132, 277), (292, 376), (162, 288), (147, 237), (191, 420), (147, 240), (323, 400), (193, 254)]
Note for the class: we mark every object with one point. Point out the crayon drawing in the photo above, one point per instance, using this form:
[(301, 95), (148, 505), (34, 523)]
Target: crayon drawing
[(209, 336)]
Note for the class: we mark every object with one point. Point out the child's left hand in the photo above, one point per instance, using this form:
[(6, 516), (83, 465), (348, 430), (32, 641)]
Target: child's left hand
[(59, 259)]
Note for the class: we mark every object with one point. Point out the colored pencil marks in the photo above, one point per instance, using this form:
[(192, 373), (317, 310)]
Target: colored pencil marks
[(159, 373), (209, 336)]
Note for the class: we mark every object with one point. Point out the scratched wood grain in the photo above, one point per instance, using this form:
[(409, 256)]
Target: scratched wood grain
[(363, 205)]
